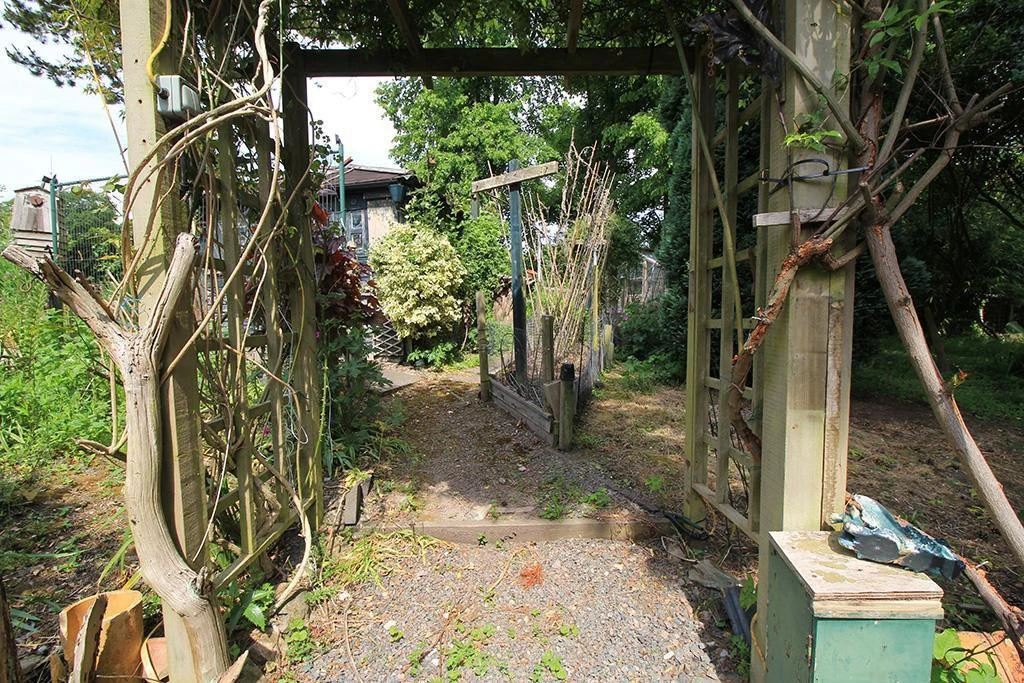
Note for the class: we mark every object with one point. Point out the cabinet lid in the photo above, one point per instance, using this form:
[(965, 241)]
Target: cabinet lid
[(830, 573)]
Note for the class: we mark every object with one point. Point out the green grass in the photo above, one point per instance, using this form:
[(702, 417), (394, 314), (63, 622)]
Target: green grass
[(994, 388)]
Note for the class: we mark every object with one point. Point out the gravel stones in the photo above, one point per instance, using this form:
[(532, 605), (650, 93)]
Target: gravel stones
[(604, 611)]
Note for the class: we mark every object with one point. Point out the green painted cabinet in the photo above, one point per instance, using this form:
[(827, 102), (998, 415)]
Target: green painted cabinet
[(835, 619)]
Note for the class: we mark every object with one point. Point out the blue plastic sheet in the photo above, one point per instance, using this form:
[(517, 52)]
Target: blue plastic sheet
[(874, 533)]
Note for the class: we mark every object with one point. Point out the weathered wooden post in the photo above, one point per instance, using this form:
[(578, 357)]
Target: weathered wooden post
[(567, 410), (547, 348), (512, 180), (515, 225), (806, 356), (481, 346), (609, 345), (305, 369)]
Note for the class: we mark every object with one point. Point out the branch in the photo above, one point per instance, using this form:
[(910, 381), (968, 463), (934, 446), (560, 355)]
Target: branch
[(944, 70), (80, 297), (179, 273), (1010, 617), (809, 250), (916, 57), (855, 138)]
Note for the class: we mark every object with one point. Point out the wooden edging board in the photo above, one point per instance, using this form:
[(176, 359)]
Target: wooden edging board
[(472, 532), (540, 422)]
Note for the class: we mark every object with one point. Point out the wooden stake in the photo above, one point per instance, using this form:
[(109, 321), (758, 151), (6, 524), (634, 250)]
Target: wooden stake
[(547, 348), (481, 345), (567, 411)]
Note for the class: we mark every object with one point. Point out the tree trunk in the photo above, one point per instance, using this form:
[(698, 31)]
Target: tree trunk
[(185, 591), (943, 406)]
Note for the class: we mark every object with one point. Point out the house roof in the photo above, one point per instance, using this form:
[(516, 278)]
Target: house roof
[(367, 176)]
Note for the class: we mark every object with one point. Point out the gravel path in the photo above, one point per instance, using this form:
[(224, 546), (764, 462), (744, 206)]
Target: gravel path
[(601, 611)]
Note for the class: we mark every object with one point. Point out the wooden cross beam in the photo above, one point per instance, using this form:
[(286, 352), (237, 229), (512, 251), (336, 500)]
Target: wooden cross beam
[(492, 61), (517, 176)]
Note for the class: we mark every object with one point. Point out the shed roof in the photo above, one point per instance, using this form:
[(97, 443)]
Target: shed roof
[(357, 176)]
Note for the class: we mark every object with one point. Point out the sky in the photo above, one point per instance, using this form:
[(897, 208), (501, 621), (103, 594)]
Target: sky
[(46, 129)]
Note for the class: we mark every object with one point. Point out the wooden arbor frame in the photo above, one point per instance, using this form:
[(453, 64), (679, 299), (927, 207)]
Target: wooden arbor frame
[(181, 469)]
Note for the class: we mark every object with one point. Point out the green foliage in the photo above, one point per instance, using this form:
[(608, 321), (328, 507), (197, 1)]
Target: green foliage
[(251, 602), (550, 664), (454, 133), (641, 332), (740, 655), (53, 386), (642, 376), (953, 663), (748, 593), (993, 388), (438, 355), (91, 229), (598, 498), (623, 257), (419, 276), (655, 483), (298, 643), (483, 254), (355, 430)]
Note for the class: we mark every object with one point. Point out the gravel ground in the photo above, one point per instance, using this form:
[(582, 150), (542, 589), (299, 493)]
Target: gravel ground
[(602, 611)]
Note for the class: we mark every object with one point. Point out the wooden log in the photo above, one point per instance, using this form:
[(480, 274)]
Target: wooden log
[(87, 644), (10, 670), (481, 346), (547, 348), (567, 412)]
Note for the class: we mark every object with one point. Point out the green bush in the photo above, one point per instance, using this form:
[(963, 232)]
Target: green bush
[(657, 328), (644, 375), (483, 255), (419, 276)]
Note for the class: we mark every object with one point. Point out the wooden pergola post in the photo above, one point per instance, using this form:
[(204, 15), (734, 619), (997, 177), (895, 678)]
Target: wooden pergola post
[(157, 217), (807, 352), (305, 378)]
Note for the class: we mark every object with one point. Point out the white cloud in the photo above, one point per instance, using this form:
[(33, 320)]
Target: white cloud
[(46, 129), (347, 108)]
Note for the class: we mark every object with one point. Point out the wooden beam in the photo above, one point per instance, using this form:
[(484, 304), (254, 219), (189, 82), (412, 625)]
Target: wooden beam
[(517, 176), (400, 13), (575, 19), (499, 61)]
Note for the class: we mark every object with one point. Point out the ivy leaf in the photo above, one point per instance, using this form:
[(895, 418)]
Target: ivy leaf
[(873, 67), (876, 38)]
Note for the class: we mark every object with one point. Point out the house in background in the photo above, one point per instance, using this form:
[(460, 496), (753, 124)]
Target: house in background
[(374, 198)]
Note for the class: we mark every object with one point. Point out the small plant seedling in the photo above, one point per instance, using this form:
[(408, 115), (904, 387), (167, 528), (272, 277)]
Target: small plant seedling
[(598, 498), (395, 634), (655, 483), (552, 663), (481, 539), (568, 630), (299, 645)]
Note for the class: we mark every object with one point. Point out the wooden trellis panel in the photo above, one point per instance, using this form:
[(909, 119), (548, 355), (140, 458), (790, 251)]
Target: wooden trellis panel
[(708, 426)]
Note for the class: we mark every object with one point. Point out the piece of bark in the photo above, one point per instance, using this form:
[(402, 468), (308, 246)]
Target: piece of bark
[(87, 644)]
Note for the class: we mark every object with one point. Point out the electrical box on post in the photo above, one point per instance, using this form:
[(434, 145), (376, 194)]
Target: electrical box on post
[(835, 619), (175, 98)]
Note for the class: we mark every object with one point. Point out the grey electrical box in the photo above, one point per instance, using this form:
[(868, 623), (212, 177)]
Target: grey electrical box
[(175, 98)]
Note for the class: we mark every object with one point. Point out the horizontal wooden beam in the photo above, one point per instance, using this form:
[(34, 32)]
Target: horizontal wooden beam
[(517, 176), (492, 61), (764, 220)]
